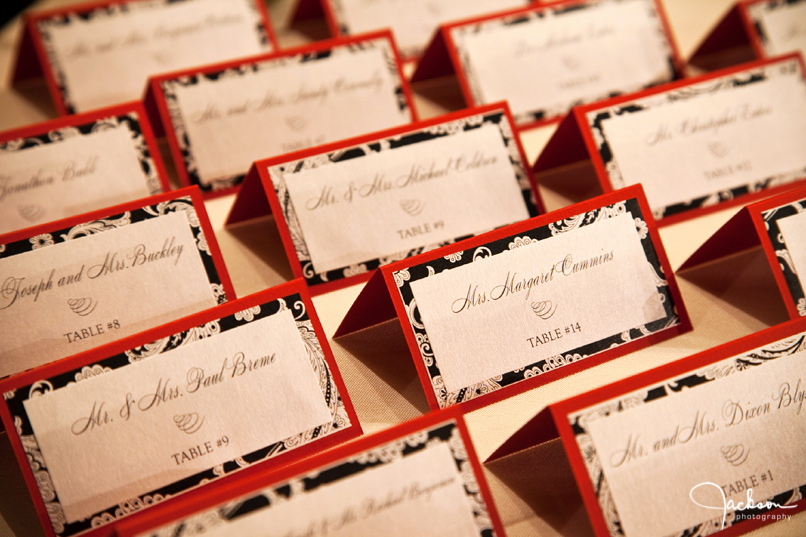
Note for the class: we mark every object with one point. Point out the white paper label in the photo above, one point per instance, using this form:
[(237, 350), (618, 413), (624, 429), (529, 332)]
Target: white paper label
[(713, 141), (285, 107), (412, 22), (421, 494), (106, 60), (165, 418), (65, 298), (60, 179), (793, 230), (784, 26), (402, 198), (538, 300), (550, 63), (706, 445)]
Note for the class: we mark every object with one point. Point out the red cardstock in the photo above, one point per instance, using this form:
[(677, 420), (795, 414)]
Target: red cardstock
[(104, 356), (32, 52), (257, 196), (553, 421), (157, 107), (380, 301), (442, 57), (245, 485), (574, 142), (735, 39), (749, 228)]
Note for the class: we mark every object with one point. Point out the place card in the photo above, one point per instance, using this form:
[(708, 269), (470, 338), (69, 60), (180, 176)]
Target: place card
[(546, 59), (722, 430), (754, 29), (411, 22), (74, 284), (394, 194), (421, 478), (61, 168), (220, 118), (530, 302), (778, 224), (101, 54), (251, 383), (695, 145)]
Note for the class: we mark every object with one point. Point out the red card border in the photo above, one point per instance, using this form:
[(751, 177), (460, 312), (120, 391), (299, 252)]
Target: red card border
[(560, 411), (580, 112), (118, 346), (632, 192), (31, 35), (157, 106), (227, 490), (261, 168), (444, 34), (91, 117), (195, 198), (756, 210)]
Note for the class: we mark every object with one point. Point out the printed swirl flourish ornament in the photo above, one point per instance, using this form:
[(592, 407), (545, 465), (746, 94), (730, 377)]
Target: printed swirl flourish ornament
[(188, 423), (544, 309), (735, 455), (31, 213), (413, 206), (82, 306)]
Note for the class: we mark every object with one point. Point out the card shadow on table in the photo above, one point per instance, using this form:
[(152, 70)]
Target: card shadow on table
[(380, 375), (254, 255), (17, 512), (536, 493), (744, 281), (566, 185)]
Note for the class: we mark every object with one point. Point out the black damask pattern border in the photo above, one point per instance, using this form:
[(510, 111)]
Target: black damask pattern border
[(64, 19), (129, 119), (597, 119), (538, 115), (15, 401), (184, 142), (707, 375), (436, 266), (494, 118), (108, 223), (793, 281)]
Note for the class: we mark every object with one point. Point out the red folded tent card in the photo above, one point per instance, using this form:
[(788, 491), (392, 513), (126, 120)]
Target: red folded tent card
[(101, 53), (412, 22), (419, 478), (754, 29), (221, 118), (778, 224), (546, 59), (61, 168), (709, 443), (697, 145), (122, 427), (347, 208), (74, 284), (530, 302)]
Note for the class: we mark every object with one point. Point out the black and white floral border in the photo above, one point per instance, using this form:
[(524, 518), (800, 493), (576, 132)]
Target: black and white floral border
[(460, 33), (178, 121), (758, 10), (377, 457), (404, 278), (782, 252), (280, 174), (181, 204), (597, 118), (130, 121), (111, 11), (293, 303), (730, 366)]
